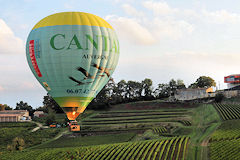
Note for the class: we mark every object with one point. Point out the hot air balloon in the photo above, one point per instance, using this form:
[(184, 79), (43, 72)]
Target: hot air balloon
[(72, 55)]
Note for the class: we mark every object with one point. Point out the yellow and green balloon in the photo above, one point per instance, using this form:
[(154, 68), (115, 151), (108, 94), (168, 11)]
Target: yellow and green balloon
[(72, 55)]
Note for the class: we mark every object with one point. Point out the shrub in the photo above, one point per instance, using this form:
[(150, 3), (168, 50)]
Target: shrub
[(17, 144), (219, 97)]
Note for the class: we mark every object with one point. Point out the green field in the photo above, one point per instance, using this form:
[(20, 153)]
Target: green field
[(225, 141), (88, 140), (137, 131), (174, 148), (8, 131)]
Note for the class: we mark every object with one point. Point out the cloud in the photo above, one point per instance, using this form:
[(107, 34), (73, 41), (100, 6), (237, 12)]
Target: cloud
[(132, 11), (150, 31), (186, 64), (170, 29), (16, 75), (221, 17), (131, 30), (1, 88), (9, 43), (159, 8), (147, 27)]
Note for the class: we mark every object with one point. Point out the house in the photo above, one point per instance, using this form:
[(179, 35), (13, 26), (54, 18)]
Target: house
[(38, 114), (193, 93), (14, 116)]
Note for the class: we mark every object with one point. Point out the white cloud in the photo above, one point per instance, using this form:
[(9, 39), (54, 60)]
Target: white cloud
[(221, 17), (159, 8), (9, 43), (149, 31), (131, 30), (170, 29), (132, 11)]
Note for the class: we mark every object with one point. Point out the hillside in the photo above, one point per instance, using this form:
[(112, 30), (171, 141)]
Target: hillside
[(140, 130)]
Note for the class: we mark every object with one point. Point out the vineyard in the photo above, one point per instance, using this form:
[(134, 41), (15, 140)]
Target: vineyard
[(159, 130), (147, 134), (134, 117), (174, 149), (225, 141), (228, 111)]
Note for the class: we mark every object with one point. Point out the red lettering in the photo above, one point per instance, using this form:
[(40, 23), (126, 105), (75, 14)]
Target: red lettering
[(33, 58)]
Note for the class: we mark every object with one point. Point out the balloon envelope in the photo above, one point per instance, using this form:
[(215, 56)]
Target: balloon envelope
[(72, 55)]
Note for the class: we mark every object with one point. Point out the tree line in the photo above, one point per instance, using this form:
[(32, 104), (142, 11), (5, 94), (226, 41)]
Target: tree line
[(123, 92)]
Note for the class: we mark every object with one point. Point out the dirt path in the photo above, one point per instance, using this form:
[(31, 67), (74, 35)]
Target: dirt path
[(60, 134), (39, 125), (205, 142)]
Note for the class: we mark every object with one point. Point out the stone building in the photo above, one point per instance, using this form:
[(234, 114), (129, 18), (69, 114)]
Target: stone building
[(14, 116), (193, 93), (38, 114)]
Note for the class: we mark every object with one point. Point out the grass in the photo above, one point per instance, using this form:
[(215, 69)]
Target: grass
[(9, 131), (204, 123), (88, 140)]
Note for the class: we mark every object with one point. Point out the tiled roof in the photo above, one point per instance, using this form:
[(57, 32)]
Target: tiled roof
[(10, 115)]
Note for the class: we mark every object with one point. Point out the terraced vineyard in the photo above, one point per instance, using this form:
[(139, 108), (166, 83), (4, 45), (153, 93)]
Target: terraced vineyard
[(185, 122), (225, 141), (159, 130), (228, 111), (142, 116), (174, 149)]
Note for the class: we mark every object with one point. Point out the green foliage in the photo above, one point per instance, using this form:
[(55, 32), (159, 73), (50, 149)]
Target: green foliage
[(219, 97), (203, 82), (134, 117), (17, 144), (5, 107), (228, 130), (51, 117), (24, 106), (159, 130), (8, 131), (147, 88), (185, 122), (42, 108), (225, 141), (228, 111), (88, 140), (49, 102), (150, 150), (224, 150)]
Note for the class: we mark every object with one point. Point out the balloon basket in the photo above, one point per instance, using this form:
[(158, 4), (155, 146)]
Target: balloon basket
[(74, 127)]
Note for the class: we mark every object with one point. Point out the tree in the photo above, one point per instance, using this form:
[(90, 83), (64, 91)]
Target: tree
[(24, 106), (119, 92), (193, 85), (102, 100), (180, 84), (134, 90), (162, 91), (42, 108), (219, 97), (48, 101), (147, 88), (172, 86), (4, 107), (51, 117), (205, 82)]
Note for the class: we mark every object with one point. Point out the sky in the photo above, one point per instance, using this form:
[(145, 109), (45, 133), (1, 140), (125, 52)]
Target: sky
[(159, 40)]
